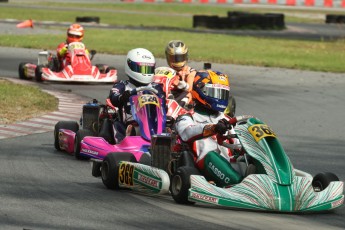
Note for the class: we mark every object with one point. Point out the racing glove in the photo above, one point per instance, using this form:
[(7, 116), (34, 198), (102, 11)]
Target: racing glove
[(124, 98), (222, 126)]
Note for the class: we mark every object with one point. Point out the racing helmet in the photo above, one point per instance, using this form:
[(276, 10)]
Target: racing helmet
[(140, 65), (211, 89), (75, 33), (176, 53)]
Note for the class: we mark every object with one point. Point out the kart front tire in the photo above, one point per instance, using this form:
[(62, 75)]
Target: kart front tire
[(110, 168), (38, 73), (21, 71), (180, 184), (77, 142), (322, 180), (70, 125)]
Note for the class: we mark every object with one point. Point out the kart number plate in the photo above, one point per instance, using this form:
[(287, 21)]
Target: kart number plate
[(260, 131), (165, 73), (148, 99), (126, 174)]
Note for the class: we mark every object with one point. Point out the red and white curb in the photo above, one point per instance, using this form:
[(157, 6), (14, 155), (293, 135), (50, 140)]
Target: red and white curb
[(70, 108)]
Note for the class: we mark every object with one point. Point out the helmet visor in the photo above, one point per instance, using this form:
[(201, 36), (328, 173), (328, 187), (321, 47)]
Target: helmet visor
[(177, 58), (74, 36), (216, 91), (140, 67)]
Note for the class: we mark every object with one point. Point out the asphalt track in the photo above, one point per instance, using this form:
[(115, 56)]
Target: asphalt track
[(41, 188)]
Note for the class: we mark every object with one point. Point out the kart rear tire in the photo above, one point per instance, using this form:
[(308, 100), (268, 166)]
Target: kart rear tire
[(77, 141), (38, 73), (145, 159), (322, 180), (180, 184), (21, 71), (71, 125), (110, 168)]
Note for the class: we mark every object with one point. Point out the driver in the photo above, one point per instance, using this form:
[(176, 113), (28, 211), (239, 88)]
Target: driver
[(139, 68), (75, 33), (210, 93), (176, 53)]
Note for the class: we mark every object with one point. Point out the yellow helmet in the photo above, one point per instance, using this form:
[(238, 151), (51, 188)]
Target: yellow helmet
[(176, 53)]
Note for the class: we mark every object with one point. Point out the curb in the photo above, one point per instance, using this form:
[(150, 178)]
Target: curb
[(69, 108)]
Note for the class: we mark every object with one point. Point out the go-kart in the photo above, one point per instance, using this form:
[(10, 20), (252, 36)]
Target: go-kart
[(270, 182), (100, 125), (77, 69)]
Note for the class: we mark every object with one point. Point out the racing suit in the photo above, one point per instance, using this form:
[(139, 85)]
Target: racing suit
[(181, 91), (212, 159), (119, 97)]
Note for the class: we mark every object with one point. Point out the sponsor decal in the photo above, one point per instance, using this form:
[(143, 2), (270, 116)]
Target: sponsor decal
[(337, 203), (115, 90), (218, 173), (90, 151), (205, 198), (221, 106), (146, 57), (148, 180)]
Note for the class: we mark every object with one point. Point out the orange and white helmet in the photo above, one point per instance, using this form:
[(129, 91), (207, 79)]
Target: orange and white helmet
[(176, 53), (75, 33)]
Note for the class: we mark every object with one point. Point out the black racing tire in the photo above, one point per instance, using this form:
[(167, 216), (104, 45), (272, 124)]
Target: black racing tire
[(110, 168), (38, 73), (322, 180), (77, 141), (180, 184), (96, 169), (71, 125), (88, 19), (101, 68), (21, 71), (109, 68), (145, 159)]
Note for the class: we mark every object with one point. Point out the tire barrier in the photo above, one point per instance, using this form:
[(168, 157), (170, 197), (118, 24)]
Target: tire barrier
[(334, 18), (88, 19), (240, 20)]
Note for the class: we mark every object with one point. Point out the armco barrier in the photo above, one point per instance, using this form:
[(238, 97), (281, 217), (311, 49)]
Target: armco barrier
[(308, 3)]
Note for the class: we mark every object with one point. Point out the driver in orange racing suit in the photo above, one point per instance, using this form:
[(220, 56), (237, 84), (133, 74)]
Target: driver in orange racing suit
[(176, 53), (75, 33), (199, 129)]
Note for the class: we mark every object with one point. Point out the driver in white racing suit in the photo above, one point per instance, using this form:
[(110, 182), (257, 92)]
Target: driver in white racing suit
[(199, 129)]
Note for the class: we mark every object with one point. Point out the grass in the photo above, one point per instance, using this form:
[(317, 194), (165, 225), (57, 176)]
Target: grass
[(327, 56), (321, 55), (30, 102)]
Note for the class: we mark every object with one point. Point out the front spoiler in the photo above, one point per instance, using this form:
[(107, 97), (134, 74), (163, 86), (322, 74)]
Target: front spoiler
[(65, 76), (258, 192)]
